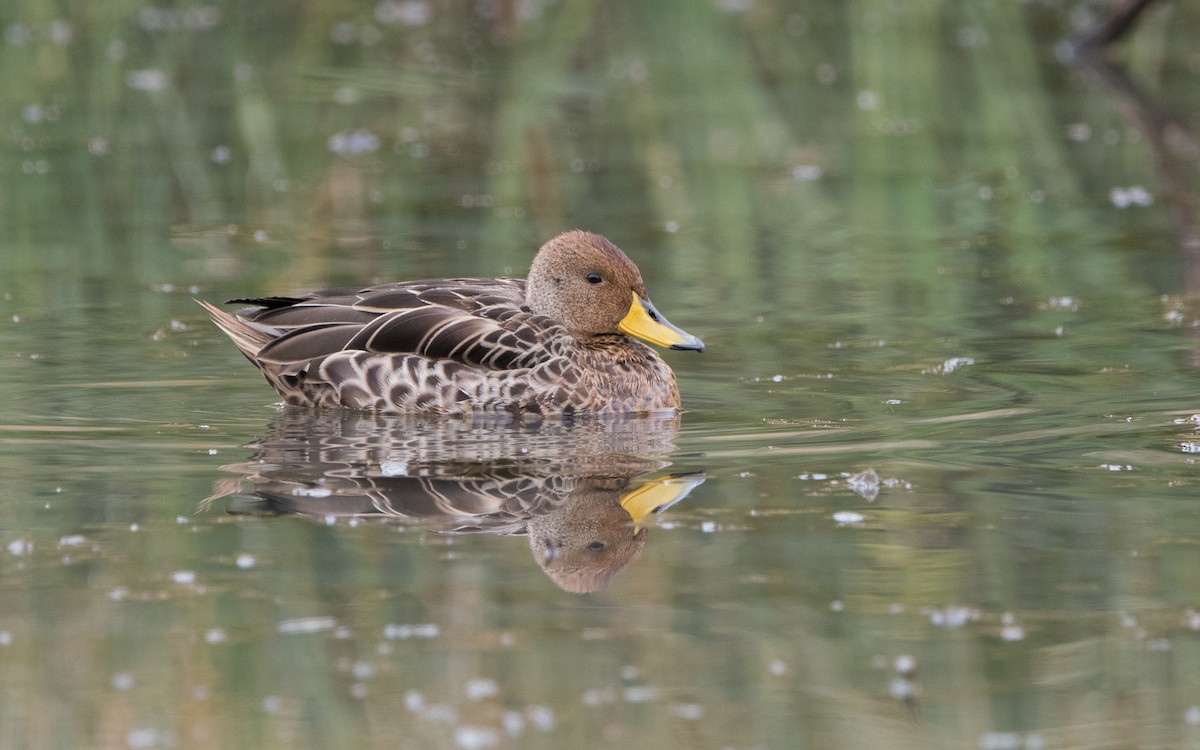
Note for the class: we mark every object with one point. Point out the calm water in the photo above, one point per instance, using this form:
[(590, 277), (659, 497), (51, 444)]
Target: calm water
[(936, 483)]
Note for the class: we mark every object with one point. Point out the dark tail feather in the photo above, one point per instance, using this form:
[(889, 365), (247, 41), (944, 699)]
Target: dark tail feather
[(249, 338)]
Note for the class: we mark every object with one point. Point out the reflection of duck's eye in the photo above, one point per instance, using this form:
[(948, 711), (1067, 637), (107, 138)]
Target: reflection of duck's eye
[(594, 278), (596, 546)]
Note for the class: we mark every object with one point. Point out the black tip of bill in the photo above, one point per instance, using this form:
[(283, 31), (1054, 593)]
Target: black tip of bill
[(694, 345)]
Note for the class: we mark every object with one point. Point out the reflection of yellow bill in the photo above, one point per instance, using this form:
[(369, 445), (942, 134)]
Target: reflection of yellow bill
[(658, 495), (646, 323)]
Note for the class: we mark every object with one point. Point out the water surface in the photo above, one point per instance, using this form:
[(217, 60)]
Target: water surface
[(935, 484)]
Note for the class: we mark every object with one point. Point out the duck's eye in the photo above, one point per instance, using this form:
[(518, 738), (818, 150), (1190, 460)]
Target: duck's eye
[(596, 546), (594, 278)]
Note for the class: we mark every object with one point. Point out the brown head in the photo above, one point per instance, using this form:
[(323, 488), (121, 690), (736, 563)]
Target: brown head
[(585, 541), (586, 283)]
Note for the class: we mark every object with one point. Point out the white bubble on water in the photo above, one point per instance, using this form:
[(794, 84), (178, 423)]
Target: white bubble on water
[(513, 723), (867, 100), (146, 80), (1079, 131), (476, 738), (866, 483), (480, 688), (20, 547), (902, 688), (1191, 619), (144, 737), (1064, 302), (952, 616), (542, 717), (950, 365), (442, 713), (593, 697), (353, 142), (401, 632), (1131, 196), (404, 12), (688, 711), (806, 173), (1001, 741), (414, 701), (306, 625), (640, 694)]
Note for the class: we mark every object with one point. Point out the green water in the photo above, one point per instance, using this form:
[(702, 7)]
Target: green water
[(918, 247)]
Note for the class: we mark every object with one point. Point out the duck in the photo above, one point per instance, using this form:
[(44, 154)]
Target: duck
[(567, 340)]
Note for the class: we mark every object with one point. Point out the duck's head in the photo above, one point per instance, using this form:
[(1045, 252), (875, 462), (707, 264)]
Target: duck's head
[(586, 283), (586, 539)]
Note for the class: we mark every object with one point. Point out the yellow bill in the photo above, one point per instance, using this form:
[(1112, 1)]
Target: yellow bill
[(647, 324), (658, 495)]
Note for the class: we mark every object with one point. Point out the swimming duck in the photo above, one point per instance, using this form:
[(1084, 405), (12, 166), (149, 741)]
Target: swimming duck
[(557, 343)]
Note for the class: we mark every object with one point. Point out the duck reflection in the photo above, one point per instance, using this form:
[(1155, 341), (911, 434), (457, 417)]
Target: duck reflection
[(579, 491)]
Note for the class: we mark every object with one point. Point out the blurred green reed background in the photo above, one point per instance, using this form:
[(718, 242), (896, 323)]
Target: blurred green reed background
[(743, 141)]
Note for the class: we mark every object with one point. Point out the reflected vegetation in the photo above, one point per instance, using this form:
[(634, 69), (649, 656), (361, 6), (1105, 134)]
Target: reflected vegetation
[(578, 490)]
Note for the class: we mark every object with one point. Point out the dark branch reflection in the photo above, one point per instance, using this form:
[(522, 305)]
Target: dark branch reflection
[(1175, 148), (579, 491)]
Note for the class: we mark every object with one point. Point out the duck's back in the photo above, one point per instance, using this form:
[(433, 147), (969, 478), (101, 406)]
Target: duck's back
[(433, 345)]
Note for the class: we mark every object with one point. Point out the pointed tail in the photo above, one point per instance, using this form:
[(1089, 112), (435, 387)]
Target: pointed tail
[(248, 337)]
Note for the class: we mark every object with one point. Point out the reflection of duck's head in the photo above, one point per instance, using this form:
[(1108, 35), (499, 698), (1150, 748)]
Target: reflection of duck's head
[(584, 542), (591, 536)]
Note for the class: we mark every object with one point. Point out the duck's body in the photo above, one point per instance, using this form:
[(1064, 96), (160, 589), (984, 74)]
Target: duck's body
[(556, 344)]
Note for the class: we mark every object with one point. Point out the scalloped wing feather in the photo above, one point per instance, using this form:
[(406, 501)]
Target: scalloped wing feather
[(513, 342), (478, 322)]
